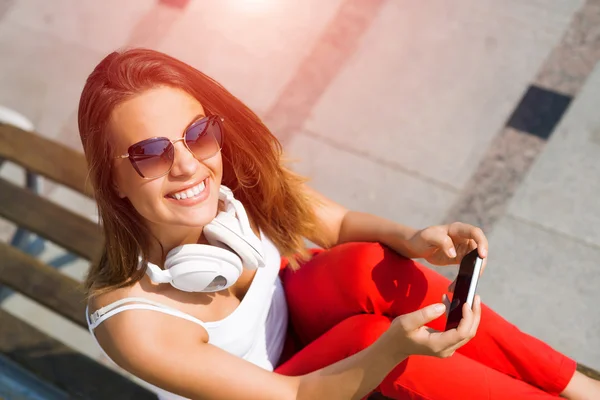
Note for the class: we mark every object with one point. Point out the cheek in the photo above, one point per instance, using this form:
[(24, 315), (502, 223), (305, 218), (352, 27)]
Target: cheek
[(122, 180), (216, 167), (215, 164), (143, 195), (147, 202)]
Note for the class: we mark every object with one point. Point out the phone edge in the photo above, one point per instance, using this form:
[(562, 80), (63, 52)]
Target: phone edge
[(474, 281)]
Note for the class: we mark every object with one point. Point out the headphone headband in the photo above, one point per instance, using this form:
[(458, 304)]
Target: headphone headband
[(208, 268)]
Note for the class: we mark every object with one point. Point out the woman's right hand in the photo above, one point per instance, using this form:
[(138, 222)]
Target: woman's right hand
[(410, 336)]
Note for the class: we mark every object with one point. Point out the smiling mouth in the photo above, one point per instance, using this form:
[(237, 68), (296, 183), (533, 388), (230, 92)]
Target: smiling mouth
[(190, 192)]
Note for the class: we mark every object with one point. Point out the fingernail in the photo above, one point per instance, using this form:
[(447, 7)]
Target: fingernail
[(439, 308), (452, 252)]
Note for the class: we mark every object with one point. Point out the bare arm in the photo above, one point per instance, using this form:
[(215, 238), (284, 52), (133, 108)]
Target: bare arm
[(343, 225), (174, 355), (353, 377)]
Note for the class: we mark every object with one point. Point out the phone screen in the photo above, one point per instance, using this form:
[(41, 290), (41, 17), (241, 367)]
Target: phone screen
[(464, 290)]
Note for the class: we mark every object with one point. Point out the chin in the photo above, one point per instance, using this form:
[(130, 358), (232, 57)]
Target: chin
[(196, 216), (166, 224)]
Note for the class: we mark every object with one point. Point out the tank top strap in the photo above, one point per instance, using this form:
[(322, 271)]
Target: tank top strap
[(139, 303)]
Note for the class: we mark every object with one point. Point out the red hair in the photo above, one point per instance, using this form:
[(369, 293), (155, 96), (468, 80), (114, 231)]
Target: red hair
[(252, 164)]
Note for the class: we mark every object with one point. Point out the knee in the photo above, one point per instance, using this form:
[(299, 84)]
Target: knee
[(375, 268), (364, 257), (362, 330)]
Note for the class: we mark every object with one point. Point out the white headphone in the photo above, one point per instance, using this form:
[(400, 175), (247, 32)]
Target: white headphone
[(214, 267)]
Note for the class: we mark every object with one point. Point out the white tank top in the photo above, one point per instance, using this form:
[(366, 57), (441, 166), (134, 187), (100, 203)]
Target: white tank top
[(254, 331)]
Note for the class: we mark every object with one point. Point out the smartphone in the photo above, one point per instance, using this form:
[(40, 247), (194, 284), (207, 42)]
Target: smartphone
[(464, 290)]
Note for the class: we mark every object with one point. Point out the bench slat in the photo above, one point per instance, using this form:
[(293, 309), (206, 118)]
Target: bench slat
[(45, 157), (75, 233), (42, 283), (68, 370)]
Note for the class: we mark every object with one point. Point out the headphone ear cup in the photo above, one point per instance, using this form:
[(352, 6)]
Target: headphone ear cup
[(202, 268), (209, 268)]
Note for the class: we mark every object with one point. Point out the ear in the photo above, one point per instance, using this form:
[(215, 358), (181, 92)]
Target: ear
[(118, 192)]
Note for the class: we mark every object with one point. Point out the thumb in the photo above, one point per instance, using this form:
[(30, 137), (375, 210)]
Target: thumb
[(417, 319), (448, 246)]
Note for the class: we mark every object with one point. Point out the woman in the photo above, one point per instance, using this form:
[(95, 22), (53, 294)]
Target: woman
[(205, 232)]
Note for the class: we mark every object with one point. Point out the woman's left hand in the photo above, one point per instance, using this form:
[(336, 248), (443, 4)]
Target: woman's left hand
[(448, 244)]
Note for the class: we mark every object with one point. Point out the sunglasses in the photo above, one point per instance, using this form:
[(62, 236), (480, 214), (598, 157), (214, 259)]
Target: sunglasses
[(154, 157)]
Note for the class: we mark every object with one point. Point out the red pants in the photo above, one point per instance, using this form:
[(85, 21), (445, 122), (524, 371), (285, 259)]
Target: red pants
[(342, 299)]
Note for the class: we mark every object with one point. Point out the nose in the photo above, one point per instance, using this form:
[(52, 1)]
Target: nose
[(184, 164)]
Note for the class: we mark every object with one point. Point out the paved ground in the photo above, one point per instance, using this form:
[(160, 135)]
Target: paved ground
[(422, 112)]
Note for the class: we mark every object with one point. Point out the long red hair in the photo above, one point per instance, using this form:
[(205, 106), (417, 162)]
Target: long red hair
[(252, 164)]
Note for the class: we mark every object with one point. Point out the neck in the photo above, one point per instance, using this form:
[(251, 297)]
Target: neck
[(171, 237)]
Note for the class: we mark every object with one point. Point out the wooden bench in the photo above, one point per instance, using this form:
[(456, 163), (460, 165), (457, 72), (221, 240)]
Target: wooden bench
[(50, 360)]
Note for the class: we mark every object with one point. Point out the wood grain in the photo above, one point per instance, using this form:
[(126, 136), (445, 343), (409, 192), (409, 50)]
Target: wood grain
[(42, 283), (75, 233), (45, 157)]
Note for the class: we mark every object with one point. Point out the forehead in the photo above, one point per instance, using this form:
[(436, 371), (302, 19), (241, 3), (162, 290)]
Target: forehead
[(161, 111)]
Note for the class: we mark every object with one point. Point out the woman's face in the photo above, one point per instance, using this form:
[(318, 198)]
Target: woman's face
[(165, 112)]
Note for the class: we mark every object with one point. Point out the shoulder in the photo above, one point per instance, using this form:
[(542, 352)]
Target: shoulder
[(121, 336)]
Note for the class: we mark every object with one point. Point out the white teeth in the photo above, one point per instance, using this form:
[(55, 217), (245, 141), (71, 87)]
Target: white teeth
[(189, 193)]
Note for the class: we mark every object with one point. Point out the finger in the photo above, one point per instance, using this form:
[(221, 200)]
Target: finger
[(444, 242), (441, 341), (464, 326), (483, 266), (464, 247), (417, 319), (467, 231), (452, 286), (476, 315), (474, 326), (463, 333), (447, 245), (472, 245), (446, 301), (438, 237), (453, 338)]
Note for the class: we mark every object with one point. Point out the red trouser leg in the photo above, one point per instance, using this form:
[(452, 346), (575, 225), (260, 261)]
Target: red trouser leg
[(367, 278)]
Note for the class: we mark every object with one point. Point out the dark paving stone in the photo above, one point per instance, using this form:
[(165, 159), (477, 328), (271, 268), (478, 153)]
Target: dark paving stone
[(539, 112), (486, 195)]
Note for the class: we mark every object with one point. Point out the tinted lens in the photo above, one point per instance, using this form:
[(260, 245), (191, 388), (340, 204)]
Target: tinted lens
[(152, 158), (204, 137)]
